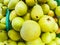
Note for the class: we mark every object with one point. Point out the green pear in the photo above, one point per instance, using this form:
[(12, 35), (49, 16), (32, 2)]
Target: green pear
[(6, 2), (13, 35), (12, 4), (21, 43), (3, 35), (3, 20), (37, 41), (17, 23), (30, 2), (57, 40), (12, 15), (26, 30), (47, 23), (21, 8), (46, 37), (11, 42), (2, 26), (0, 10), (52, 43), (4, 10), (45, 8), (27, 17), (51, 13), (36, 12), (52, 4), (57, 11)]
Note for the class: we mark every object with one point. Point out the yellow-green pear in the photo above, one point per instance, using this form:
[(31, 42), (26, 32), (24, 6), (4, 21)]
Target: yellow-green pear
[(13, 35), (3, 20), (30, 2), (2, 26), (37, 41), (52, 4), (12, 15), (45, 8), (6, 2), (12, 4), (4, 10), (51, 13), (21, 43), (1, 4), (36, 12), (21, 8), (28, 27), (11, 42), (17, 23), (1, 16), (57, 11), (27, 16), (46, 37), (1, 1)]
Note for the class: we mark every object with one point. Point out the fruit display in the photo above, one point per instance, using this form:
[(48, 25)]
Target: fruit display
[(29, 22)]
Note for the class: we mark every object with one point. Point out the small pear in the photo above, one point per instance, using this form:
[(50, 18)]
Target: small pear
[(12, 4), (12, 15), (51, 13), (52, 4), (6, 2), (21, 8), (36, 12), (13, 35), (3, 20), (30, 2), (2, 26), (45, 8), (27, 16)]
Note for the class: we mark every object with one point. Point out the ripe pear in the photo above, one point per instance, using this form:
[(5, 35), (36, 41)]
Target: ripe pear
[(27, 16), (47, 23), (3, 20), (13, 35), (12, 4), (26, 30), (30, 2), (52, 4), (11, 42), (3, 35), (51, 13), (4, 10), (37, 41), (46, 37), (12, 15), (52, 43), (36, 12), (17, 23), (21, 8), (57, 40), (45, 8), (2, 26), (57, 11), (21, 43), (6, 2)]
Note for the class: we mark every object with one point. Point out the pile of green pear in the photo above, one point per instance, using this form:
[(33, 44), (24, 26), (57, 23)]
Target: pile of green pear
[(34, 22)]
